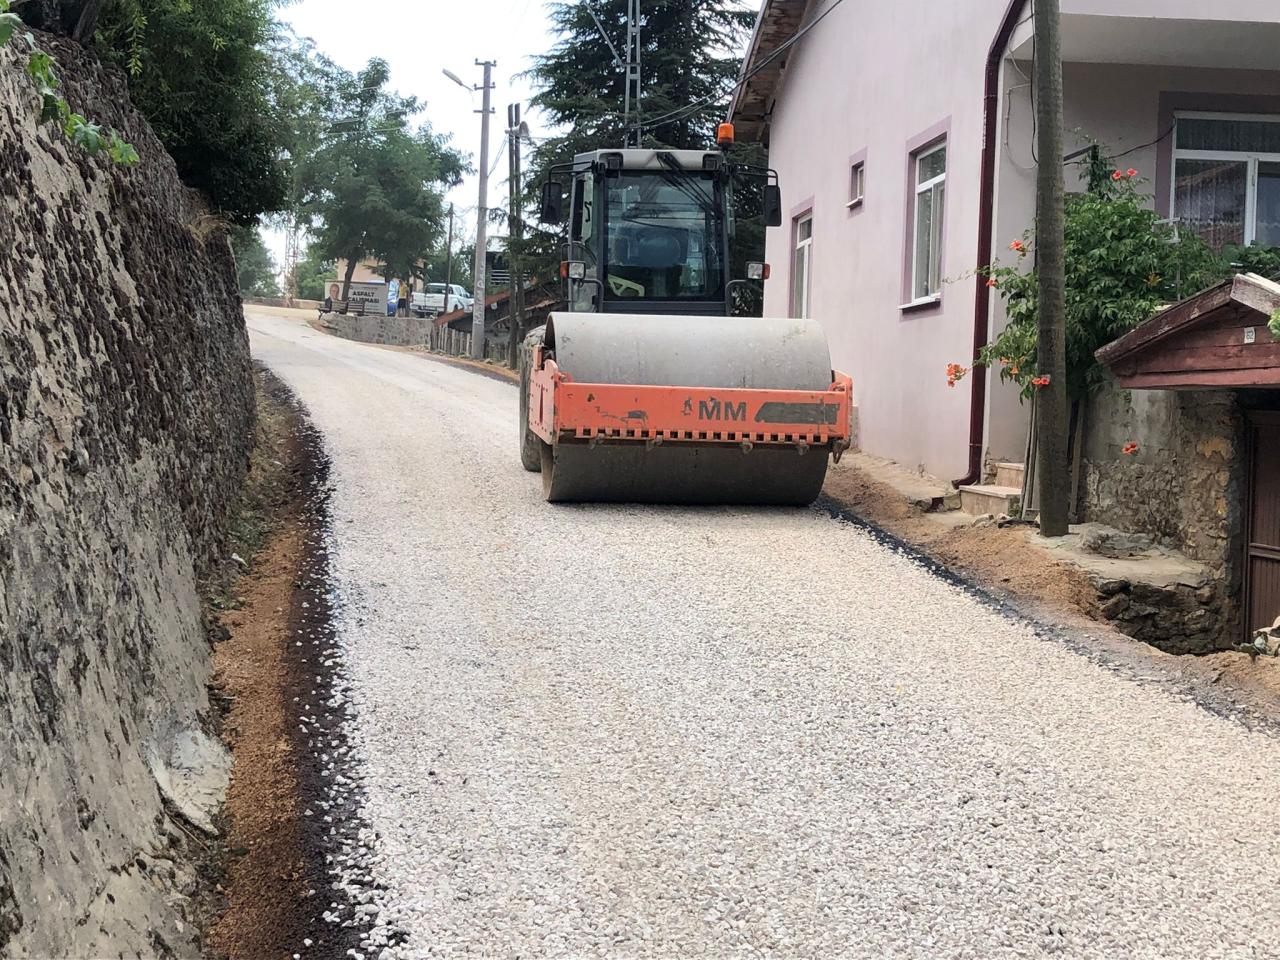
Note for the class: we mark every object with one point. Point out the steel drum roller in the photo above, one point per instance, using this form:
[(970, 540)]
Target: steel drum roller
[(683, 351)]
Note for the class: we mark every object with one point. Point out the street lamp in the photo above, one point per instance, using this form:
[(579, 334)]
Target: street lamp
[(482, 209)]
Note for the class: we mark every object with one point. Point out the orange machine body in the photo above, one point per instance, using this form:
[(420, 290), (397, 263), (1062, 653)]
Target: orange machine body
[(560, 409)]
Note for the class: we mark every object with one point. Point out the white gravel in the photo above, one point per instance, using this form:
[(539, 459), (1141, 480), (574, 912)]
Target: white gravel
[(672, 732)]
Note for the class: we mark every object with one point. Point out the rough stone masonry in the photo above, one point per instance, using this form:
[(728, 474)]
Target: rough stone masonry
[(1182, 488), (126, 418)]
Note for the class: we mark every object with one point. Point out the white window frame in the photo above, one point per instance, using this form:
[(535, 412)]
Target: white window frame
[(917, 158), (801, 292), (1252, 159), (857, 183)]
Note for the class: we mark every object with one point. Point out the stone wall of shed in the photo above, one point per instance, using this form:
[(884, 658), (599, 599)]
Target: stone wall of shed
[(126, 416), (1185, 488)]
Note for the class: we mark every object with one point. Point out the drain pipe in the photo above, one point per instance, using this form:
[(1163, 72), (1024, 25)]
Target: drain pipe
[(986, 224)]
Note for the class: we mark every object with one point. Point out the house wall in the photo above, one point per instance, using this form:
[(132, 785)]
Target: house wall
[(1127, 109), (852, 87), (367, 271)]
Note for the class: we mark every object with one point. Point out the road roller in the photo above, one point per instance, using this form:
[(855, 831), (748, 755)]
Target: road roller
[(646, 389)]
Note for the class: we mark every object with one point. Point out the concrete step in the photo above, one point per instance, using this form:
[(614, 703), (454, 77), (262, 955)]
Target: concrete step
[(983, 498), (1010, 474)]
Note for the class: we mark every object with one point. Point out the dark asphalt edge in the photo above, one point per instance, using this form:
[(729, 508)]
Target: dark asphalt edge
[(1135, 668), (331, 789)]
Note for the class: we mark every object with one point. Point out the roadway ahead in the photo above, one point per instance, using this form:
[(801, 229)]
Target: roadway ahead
[(673, 732)]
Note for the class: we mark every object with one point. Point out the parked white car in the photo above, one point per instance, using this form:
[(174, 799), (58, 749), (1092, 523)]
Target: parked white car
[(432, 301)]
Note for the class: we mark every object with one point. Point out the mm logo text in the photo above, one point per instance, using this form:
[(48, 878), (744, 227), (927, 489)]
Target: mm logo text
[(715, 409)]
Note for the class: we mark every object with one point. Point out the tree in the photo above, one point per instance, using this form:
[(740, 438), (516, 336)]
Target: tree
[(689, 61), (462, 269), (41, 69), (313, 273), (202, 73), (308, 93), (1052, 411), (689, 58), (1122, 263), (373, 186), (255, 268)]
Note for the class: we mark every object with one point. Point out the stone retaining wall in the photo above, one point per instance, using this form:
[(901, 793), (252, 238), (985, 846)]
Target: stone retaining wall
[(393, 331), (126, 421)]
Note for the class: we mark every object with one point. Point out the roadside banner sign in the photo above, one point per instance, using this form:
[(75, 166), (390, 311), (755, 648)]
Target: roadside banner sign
[(370, 294)]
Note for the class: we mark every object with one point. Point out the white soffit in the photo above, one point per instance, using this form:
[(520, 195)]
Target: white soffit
[(1161, 42)]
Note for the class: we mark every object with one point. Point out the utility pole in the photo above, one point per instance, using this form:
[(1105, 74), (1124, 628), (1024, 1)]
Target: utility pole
[(1052, 411), (515, 232), (633, 71), (292, 254), (448, 265), (482, 215)]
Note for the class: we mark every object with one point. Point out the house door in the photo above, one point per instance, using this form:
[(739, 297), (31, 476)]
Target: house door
[(1262, 556)]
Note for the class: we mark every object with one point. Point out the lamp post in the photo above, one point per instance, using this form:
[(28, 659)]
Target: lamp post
[(482, 208)]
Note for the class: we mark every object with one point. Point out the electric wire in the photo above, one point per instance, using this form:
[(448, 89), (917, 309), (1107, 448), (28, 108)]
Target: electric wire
[(675, 116)]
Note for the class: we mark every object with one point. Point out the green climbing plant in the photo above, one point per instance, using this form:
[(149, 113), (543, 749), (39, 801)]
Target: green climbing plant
[(91, 137)]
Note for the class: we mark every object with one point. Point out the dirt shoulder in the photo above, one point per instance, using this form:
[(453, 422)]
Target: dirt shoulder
[(275, 885), (997, 557), (1003, 563)]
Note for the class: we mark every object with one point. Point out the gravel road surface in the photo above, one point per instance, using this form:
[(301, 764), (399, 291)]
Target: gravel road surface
[(674, 732)]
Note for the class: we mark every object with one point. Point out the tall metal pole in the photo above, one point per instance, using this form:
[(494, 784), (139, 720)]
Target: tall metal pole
[(482, 216), (448, 265), (515, 233), (633, 72), (292, 254)]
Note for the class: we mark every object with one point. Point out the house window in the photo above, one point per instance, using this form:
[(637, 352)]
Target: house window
[(802, 267), (1226, 177), (930, 178), (857, 182)]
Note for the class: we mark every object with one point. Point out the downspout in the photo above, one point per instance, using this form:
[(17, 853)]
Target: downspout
[(986, 224)]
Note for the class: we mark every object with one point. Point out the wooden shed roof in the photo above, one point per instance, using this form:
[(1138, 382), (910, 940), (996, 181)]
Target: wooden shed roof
[(753, 101), (1217, 339)]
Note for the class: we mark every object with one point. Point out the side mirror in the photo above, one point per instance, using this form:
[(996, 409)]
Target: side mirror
[(772, 205), (553, 202)]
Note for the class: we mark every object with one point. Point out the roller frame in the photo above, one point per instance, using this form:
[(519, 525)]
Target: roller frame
[(560, 409)]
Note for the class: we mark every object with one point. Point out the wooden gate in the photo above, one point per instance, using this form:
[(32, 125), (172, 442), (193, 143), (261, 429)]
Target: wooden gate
[(1262, 551)]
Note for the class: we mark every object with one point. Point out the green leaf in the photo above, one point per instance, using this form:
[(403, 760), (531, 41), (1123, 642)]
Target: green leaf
[(51, 107), (83, 134), (121, 152), (1274, 325), (9, 22)]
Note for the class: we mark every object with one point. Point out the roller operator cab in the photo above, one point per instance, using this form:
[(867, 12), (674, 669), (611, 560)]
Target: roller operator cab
[(645, 389)]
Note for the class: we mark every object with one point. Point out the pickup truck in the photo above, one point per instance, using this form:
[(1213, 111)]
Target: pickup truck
[(431, 302)]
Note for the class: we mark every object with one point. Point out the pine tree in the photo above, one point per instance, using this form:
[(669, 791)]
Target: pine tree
[(689, 54), (690, 59)]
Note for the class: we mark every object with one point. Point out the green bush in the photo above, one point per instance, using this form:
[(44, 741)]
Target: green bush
[(1264, 261), (1122, 265)]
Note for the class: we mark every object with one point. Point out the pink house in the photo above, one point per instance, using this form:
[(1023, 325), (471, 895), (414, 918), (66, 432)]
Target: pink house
[(902, 133)]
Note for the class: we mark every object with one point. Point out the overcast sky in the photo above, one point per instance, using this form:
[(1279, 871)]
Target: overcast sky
[(420, 38)]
